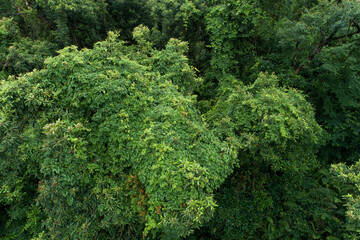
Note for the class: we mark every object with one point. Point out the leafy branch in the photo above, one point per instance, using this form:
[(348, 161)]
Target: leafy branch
[(324, 43)]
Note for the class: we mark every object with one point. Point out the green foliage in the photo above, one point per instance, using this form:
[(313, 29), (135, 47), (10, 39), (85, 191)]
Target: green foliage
[(109, 142), (184, 20), (276, 136), (321, 46), (21, 55), (172, 64), (125, 15), (227, 22), (8, 35), (349, 178), (269, 124), (26, 54), (77, 22), (288, 206), (115, 146), (176, 18)]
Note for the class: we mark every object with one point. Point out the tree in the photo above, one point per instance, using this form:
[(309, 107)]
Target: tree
[(276, 136), (112, 144), (177, 128), (270, 125), (347, 179)]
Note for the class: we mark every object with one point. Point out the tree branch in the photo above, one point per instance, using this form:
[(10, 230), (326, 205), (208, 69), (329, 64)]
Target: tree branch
[(356, 25), (295, 55), (344, 36), (325, 43), (45, 21), (349, 54)]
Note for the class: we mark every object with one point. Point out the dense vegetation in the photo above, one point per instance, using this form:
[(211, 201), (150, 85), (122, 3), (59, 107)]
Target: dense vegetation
[(170, 119)]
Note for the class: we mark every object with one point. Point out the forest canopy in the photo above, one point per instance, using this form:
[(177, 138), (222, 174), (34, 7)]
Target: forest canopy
[(164, 119)]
